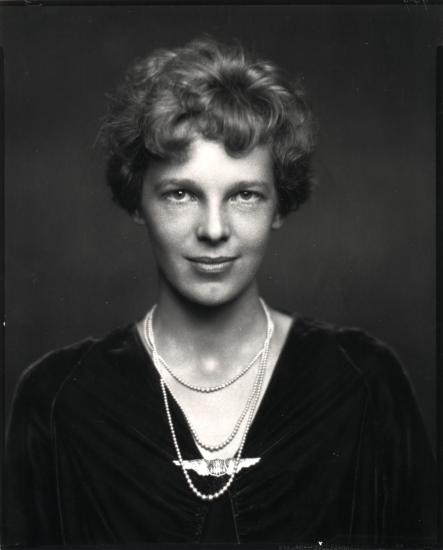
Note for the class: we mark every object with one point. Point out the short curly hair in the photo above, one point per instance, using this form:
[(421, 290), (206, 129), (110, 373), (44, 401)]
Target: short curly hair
[(215, 91)]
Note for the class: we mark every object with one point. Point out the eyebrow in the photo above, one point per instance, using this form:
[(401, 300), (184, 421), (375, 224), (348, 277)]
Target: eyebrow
[(241, 184), (163, 182)]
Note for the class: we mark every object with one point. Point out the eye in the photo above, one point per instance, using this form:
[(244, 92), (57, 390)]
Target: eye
[(247, 196), (178, 195)]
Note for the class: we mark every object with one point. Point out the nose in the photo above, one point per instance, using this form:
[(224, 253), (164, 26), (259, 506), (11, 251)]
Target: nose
[(213, 224)]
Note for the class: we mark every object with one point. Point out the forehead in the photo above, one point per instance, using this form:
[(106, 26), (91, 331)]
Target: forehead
[(207, 161)]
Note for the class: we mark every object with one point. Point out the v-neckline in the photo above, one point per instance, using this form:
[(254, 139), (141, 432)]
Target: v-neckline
[(261, 410)]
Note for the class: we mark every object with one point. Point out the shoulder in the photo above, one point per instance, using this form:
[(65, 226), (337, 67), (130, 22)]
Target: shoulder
[(40, 382), (350, 362), (362, 349), (371, 360)]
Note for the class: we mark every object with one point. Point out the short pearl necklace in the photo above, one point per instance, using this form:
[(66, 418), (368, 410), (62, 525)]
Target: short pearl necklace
[(256, 391), (147, 326)]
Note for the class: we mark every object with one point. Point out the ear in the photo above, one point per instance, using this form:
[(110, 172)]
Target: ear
[(278, 220), (138, 218)]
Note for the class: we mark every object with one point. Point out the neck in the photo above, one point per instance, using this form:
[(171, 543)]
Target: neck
[(209, 334)]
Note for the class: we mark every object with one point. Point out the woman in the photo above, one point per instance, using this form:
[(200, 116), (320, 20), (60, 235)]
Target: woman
[(216, 418)]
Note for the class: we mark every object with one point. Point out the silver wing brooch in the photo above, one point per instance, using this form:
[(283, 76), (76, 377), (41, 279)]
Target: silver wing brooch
[(217, 467)]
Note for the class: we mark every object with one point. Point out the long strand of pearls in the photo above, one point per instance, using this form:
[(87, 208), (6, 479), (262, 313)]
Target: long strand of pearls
[(225, 442), (254, 401)]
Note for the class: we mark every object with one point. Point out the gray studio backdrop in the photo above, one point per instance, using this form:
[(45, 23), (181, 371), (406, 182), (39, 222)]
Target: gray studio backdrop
[(361, 253)]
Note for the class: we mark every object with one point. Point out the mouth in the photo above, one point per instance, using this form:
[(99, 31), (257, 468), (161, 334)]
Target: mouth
[(212, 264)]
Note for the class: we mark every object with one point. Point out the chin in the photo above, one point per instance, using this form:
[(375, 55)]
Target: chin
[(212, 295), (210, 299)]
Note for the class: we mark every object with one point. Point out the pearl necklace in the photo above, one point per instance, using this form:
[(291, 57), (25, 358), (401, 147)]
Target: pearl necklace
[(150, 340), (148, 332), (227, 440), (254, 401)]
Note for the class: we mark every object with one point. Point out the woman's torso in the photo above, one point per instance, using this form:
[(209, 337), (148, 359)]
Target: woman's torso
[(328, 442)]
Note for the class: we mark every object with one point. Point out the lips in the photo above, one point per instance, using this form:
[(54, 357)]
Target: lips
[(212, 264), (212, 259)]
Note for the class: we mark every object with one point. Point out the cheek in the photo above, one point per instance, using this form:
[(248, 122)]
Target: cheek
[(255, 231), (166, 231)]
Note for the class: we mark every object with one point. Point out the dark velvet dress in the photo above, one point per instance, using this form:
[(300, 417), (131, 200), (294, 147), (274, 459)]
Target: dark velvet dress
[(344, 458)]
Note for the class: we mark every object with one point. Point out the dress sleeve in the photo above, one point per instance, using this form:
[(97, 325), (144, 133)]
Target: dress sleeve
[(406, 468), (31, 515)]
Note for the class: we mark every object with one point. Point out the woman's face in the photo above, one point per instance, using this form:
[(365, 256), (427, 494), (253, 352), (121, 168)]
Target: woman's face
[(209, 218)]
